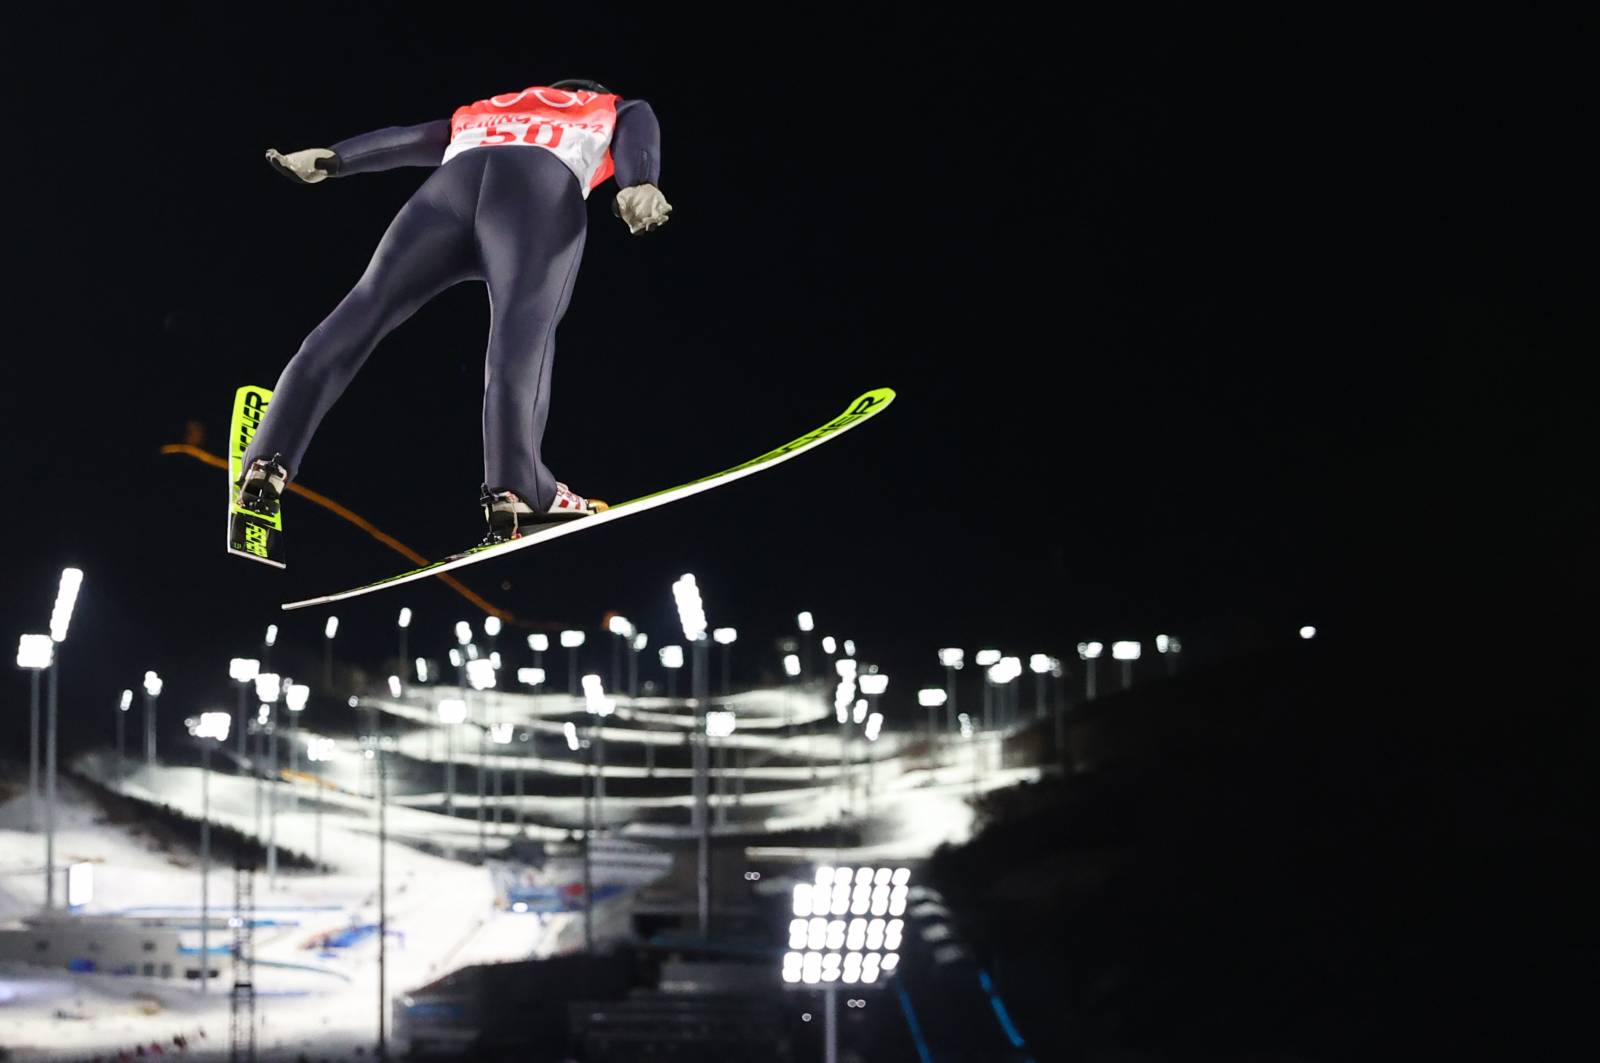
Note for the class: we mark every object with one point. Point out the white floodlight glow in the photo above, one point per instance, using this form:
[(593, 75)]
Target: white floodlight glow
[(127, 700), (619, 625), (463, 632), (802, 899), (321, 749), (296, 695), (422, 670), (691, 610), (811, 971), (331, 628), (797, 933), (66, 598), (353, 702), (719, 723), (1088, 651), (272, 636), (472, 652), (212, 725), (394, 686), (986, 658), (874, 683), (640, 641), (455, 657), (849, 647), (594, 693), (791, 967), (828, 645), (1162, 643), (725, 636), (1125, 651), (897, 900), (931, 697), (806, 622), (538, 643), (263, 713), (35, 651), (268, 686), (791, 665), (501, 733), (901, 876), (80, 885), (572, 735), (966, 725), (845, 667), (671, 656), (881, 876), (405, 617), (952, 657), (152, 684), (824, 875), (571, 640), (494, 659), (243, 669), (1039, 663), (874, 725), (1307, 632), (530, 676), (480, 674), (452, 710), (491, 626)]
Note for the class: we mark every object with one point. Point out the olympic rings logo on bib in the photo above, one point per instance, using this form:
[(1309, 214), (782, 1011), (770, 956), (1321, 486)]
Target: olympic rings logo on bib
[(576, 126)]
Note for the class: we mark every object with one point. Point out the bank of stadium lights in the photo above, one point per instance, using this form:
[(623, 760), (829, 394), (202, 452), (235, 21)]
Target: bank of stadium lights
[(538, 643), (491, 626), (152, 684), (571, 732), (725, 636), (571, 640), (873, 684), (243, 669), (1308, 632), (966, 725), (463, 633), (394, 686), (671, 656), (1004, 670), (931, 698), (1168, 644), (1125, 651), (35, 651), (66, 598), (1089, 651), (691, 611), (452, 711), (847, 926), (621, 627), (532, 677), (829, 646), (501, 733), (295, 695), (1040, 664), (988, 658), (480, 674), (210, 725), (953, 658), (495, 660), (268, 686), (472, 651), (640, 641), (720, 723), (791, 665), (594, 695), (127, 700), (806, 622), (321, 749)]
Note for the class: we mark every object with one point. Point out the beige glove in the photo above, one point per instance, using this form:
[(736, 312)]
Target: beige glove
[(305, 167), (643, 207)]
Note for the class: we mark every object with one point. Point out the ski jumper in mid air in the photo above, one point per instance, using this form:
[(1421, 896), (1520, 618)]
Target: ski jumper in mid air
[(506, 206)]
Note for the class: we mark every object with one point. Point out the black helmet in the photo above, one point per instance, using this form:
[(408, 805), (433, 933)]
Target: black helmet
[(583, 84)]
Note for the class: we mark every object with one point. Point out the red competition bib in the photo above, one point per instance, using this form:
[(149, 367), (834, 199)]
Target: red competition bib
[(576, 126)]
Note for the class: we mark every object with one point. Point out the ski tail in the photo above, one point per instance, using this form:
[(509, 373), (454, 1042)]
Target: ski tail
[(251, 534)]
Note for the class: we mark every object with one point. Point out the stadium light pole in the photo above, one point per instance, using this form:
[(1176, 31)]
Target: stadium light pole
[(295, 697), (1088, 653), (807, 624), (320, 751), (1169, 647), (671, 658), (329, 630), (124, 703), (932, 699), (987, 659), (243, 670), (452, 711), (953, 660), (208, 725), (532, 677), (60, 621), (152, 691), (268, 640), (620, 627), (873, 685), (726, 637), (1039, 665), (269, 687), (34, 652), (692, 618), (402, 624), (1127, 653), (481, 675)]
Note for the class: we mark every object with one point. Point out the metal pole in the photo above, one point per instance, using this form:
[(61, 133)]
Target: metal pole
[(121, 727), (272, 798), (950, 699), (450, 769), (241, 723), (1038, 699), (318, 810), (701, 767), (520, 830), (482, 735), (404, 666), (33, 756), (588, 879), (294, 761), (205, 866), (599, 774), (1127, 674), (383, 901), (572, 671), (50, 789), (1088, 680), (830, 1024), (149, 730)]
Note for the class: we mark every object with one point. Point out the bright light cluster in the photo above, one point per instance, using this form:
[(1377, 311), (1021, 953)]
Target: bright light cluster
[(594, 695), (719, 724), (480, 673), (66, 598), (691, 613), (530, 676), (211, 725), (847, 926)]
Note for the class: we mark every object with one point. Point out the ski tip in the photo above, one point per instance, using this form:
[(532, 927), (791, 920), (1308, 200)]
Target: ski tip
[(254, 557)]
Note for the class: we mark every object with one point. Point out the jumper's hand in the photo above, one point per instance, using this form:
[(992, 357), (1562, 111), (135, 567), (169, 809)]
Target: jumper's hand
[(305, 167), (643, 207)]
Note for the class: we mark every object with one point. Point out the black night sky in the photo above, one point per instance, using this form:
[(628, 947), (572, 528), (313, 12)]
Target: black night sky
[(1202, 324)]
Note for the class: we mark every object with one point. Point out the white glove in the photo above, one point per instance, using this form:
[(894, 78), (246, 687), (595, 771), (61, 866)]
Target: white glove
[(643, 207), (303, 166)]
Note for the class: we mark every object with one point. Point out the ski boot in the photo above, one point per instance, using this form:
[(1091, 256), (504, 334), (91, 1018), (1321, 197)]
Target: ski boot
[(510, 517), (255, 520)]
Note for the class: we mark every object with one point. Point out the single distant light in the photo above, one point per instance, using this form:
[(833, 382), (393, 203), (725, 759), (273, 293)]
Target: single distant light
[(829, 645), (671, 656), (331, 628), (874, 683), (452, 710), (725, 636), (572, 735), (874, 725), (1039, 663), (1308, 632), (422, 670), (463, 632), (405, 617), (986, 658), (394, 686), (640, 641), (572, 639), (296, 695), (494, 659), (272, 635), (127, 700), (806, 622), (931, 697), (791, 665), (538, 643), (849, 647), (455, 657), (80, 884), (1161, 643), (1125, 651), (519, 907), (530, 676)]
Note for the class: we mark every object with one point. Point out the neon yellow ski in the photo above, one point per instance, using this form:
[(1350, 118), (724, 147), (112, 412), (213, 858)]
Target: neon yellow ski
[(252, 534), (863, 408)]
